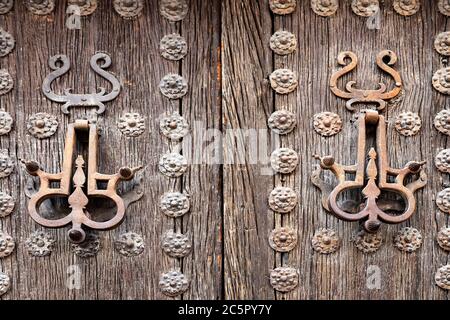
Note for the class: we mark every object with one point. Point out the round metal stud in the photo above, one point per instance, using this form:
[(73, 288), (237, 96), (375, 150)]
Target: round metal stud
[(173, 283), (172, 165), (40, 7), (129, 244), (173, 47), (173, 126), (86, 7), (442, 277), (6, 82), (325, 241), (283, 81), (284, 279), (442, 161), (284, 160), (6, 6), (324, 8), (89, 247), (443, 200), (282, 7), (174, 204), (7, 43), (40, 244), (6, 164), (282, 199), (283, 239), (6, 122), (367, 242), (441, 80), (406, 7), (176, 245), (42, 125), (442, 122), (7, 244), (7, 204), (282, 121), (408, 239), (408, 123), (5, 283), (283, 42), (444, 7), (443, 238), (129, 9), (173, 10), (327, 123), (173, 86), (131, 124), (442, 43), (365, 8)]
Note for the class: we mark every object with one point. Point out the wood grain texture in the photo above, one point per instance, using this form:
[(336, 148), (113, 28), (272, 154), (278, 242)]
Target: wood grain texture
[(341, 275), (134, 49), (228, 104)]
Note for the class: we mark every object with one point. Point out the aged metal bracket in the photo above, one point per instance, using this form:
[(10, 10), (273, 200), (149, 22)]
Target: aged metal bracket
[(374, 178), (61, 65), (385, 59), (58, 185)]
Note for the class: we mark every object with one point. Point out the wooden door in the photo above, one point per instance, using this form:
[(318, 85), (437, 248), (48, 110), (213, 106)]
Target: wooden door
[(228, 103)]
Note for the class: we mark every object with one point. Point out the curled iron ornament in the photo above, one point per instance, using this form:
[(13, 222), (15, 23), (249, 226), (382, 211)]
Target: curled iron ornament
[(87, 100), (385, 59), (373, 179), (78, 196)]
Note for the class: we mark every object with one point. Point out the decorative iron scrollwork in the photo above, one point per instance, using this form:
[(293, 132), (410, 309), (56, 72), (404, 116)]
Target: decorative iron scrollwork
[(385, 59), (88, 100), (373, 179), (58, 185)]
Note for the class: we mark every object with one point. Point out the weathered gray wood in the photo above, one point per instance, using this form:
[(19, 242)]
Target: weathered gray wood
[(343, 274), (227, 68), (134, 48)]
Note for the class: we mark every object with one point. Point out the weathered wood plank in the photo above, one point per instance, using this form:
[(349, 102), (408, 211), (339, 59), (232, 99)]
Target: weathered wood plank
[(134, 49), (342, 275), (247, 102)]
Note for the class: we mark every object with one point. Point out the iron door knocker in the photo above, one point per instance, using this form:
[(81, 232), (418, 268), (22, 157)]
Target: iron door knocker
[(373, 178), (377, 176), (78, 199)]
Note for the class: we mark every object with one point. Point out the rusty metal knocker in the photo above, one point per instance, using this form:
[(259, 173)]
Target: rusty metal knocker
[(78, 198), (373, 178)]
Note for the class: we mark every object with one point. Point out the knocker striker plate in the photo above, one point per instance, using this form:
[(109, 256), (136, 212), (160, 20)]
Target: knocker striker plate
[(372, 179), (61, 65), (59, 185), (385, 59)]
